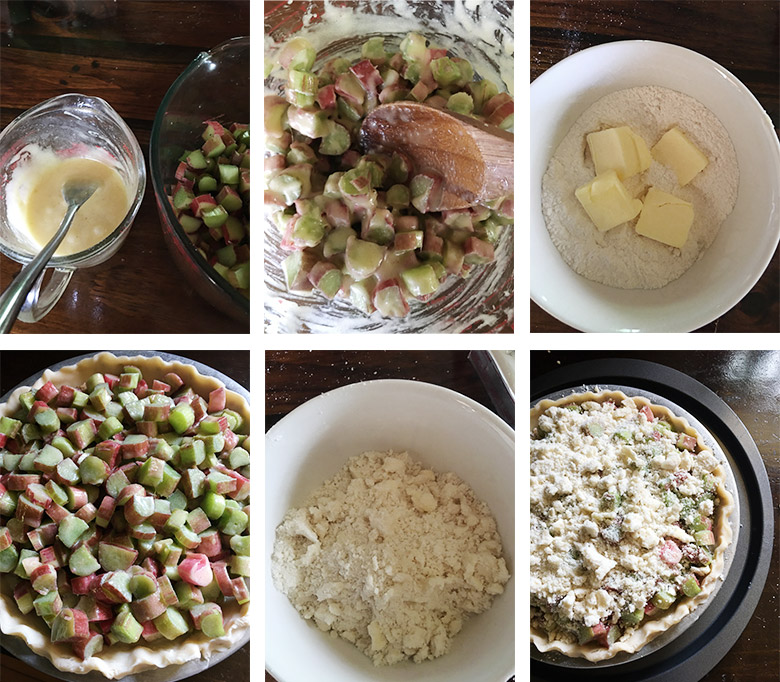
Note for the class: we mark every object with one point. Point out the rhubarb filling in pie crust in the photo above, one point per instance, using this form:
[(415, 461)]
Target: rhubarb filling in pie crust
[(159, 581), (629, 523)]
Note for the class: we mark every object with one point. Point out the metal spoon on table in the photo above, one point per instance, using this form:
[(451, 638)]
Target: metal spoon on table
[(12, 299), (475, 160)]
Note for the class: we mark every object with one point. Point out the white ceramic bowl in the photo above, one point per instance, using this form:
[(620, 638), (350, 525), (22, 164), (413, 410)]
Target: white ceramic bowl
[(447, 432), (747, 239)]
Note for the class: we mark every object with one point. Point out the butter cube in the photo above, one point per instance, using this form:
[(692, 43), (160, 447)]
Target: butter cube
[(619, 149), (675, 150), (665, 218), (607, 202)]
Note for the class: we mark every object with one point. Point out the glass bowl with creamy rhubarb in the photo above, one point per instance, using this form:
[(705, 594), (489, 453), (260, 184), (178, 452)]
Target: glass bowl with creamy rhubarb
[(629, 523), (124, 515), (362, 230)]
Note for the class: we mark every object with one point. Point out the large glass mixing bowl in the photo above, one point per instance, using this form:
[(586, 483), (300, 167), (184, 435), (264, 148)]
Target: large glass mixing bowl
[(214, 86), (485, 301)]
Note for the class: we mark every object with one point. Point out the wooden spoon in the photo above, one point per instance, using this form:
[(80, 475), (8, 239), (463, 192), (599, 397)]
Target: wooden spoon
[(475, 160)]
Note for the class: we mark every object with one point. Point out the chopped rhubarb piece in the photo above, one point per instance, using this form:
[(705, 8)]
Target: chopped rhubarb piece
[(670, 552), (116, 557), (477, 251), (648, 412), (196, 570), (222, 577), (150, 632), (240, 590), (149, 607), (174, 381), (586, 634), (685, 442), (167, 593), (29, 513), (70, 625), (126, 628), (368, 76), (217, 399), (114, 587), (88, 646), (608, 638), (690, 586), (21, 481), (85, 585), (171, 624), (44, 578), (47, 392)]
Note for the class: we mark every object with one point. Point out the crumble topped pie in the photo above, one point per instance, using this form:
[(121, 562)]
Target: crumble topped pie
[(135, 622), (629, 523)]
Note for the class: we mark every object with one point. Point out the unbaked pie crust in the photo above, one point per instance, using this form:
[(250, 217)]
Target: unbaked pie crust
[(120, 660), (650, 629)]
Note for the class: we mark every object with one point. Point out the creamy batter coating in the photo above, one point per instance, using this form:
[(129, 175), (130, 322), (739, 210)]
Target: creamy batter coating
[(37, 206)]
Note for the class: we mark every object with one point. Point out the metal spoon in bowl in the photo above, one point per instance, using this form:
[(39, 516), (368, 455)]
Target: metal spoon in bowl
[(12, 299), (474, 159)]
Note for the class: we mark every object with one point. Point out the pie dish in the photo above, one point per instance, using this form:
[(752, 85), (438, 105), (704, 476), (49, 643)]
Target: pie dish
[(629, 523), (119, 660)]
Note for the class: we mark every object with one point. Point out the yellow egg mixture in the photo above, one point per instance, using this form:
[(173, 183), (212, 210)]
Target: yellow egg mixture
[(94, 221)]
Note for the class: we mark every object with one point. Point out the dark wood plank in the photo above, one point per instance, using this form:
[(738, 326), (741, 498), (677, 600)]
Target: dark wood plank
[(740, 36), (129, 53), (293, 377), (749, 382), (124, 83), (146, 22)]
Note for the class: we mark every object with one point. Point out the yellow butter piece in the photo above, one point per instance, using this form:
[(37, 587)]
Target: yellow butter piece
[(619, 149), (675, 150), (665, 218), (607, 201)]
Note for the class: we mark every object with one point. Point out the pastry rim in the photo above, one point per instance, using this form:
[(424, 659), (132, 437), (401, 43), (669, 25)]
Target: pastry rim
[(653, 628), (124, 659)]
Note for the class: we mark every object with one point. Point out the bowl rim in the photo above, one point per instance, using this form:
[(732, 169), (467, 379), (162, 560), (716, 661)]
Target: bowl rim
[(409, 383), (705, 315), (158, 185), (481, 413)]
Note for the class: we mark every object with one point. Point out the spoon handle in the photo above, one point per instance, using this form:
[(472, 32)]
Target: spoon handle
[(13, 297)]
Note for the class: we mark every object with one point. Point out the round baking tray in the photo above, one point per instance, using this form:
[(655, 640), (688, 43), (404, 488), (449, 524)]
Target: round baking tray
[(690, 653), (172, 673)]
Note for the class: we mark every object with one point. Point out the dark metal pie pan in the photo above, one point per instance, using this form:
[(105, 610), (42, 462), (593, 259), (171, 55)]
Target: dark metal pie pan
[(691, 652)]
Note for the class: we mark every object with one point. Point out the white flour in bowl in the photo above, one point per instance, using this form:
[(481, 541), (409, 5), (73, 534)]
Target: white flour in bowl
[(620, 257), (390, 556)]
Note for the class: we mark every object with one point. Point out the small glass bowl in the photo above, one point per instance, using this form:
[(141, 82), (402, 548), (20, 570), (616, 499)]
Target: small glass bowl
[(214, 86), (68, 125)]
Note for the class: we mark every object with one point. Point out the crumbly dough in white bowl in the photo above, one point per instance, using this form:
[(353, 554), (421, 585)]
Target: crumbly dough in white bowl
[(730, 267), (446, 432)]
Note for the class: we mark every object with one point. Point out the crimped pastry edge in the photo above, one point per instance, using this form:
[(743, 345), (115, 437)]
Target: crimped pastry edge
[(120, 660), (651, 629)]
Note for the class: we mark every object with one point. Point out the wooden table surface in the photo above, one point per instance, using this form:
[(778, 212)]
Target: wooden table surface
[(129, 57), (15, 367), (749, 382), (742, 36), (293, 377)]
